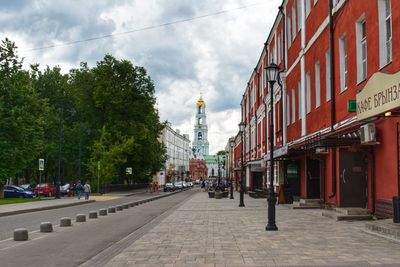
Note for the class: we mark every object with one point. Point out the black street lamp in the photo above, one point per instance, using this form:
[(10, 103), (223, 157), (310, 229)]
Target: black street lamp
[(231, 144), (272, 71), (241, 130)]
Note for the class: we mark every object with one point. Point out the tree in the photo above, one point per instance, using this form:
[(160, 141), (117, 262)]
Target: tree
[(22, 115)]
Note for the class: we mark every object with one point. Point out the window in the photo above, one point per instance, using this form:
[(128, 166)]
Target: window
[(343, 63), (315, 2), (199, 136), (294, 22), (308, 7), (259, 76), (308, 92), (317, 85), (385, 32), (361, 37), (300, 102), (287, 110), (278, 52), (299, 15), (293, 106), (328, 74), (289, 31)]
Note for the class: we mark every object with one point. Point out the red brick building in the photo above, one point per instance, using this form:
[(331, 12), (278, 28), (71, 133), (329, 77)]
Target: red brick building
[(340, 63), (198, 169)]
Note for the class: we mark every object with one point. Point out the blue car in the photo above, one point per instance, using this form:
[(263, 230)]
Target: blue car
[(13, 191)]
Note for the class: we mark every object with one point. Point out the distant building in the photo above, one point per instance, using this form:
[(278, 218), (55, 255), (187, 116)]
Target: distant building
[(178, 151), (198, 169), (212, 162), (200, 143)]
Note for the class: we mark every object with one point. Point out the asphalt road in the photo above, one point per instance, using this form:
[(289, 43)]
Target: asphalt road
[(32, 220), (73, 246)]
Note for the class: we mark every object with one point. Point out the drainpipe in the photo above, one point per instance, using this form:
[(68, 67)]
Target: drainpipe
[(282, 83), (333, 98)]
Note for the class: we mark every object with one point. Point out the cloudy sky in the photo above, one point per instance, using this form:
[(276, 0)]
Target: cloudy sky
[(208, 46)]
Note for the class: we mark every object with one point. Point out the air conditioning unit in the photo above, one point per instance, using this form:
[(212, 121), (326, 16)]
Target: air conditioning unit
[(368, 134), (321, 150)]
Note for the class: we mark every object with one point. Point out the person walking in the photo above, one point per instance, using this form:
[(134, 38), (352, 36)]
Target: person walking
[(86, 190), (78, 189)]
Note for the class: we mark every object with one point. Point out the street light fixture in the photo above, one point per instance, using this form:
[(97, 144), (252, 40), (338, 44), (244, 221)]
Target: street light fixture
[(272, 71), (232, 144), (241, 130)]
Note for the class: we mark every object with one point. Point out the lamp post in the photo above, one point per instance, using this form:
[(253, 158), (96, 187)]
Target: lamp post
[(231, 144), (241, 130), (272, 71)]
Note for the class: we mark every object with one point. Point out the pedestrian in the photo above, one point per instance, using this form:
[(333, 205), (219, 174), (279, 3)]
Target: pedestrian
[(86, 189), (79, 189)]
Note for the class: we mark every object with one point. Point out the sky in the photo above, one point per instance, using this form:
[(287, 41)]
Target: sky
[(189, 47)]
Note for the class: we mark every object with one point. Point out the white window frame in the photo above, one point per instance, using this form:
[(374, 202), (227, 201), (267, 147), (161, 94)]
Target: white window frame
[(289, 30), (343, 60), (317, 84), (308, 7), (308, 92), (361, 40), (294, 30), (328, 75), (315, 2), (299, 101), (299, 17), (385, 37)]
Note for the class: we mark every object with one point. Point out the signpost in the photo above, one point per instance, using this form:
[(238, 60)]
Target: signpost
[(41, 168), (98, 176), (129, 170)]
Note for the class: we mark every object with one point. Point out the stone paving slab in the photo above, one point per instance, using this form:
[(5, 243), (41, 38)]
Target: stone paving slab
[(216, 232)]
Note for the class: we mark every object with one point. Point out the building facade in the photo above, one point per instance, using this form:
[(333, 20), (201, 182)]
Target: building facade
[(198, 169), (336, 104), (178, 152), (200, 142)]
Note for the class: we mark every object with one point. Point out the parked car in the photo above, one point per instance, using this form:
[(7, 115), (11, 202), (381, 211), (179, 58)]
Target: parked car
[(28, 187), (189, 184), (13, 191), (169, 187), (45, 189), (64, 189), (178, 186)]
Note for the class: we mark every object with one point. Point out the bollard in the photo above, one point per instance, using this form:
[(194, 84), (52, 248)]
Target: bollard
[(20, 234), (119, 207), (81, 218), (103, 212), (111, 209), (46, 227), (92, 214), (65, 222), (125, 206)]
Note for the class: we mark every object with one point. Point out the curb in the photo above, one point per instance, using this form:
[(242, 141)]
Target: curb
[(15, 212)]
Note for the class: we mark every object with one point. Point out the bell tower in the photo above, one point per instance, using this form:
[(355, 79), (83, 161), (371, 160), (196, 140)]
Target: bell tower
[(200, 142)]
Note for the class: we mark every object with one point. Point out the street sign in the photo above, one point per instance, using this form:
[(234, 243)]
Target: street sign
[(351, 105), (41, 164), (129, 170)]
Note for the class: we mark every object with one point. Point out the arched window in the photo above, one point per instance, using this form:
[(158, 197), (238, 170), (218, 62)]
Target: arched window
[(199, 109), (199, 136), (200, 121)]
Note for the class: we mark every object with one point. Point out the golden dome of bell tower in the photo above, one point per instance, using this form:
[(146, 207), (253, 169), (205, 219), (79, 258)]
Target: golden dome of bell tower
[(200, 102)]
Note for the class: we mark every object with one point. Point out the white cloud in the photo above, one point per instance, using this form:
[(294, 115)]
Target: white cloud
[(214, 55)]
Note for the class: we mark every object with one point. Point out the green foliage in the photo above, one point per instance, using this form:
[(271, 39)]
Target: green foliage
[(102, 114)]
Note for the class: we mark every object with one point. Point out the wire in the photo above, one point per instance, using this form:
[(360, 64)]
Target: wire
[(143, 29)]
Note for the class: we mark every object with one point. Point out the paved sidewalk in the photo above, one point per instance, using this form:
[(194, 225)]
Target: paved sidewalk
[(216, 232), (12, 209)]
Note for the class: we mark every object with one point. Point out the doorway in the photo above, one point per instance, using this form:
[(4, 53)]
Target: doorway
[(313, 178), (353, 175)]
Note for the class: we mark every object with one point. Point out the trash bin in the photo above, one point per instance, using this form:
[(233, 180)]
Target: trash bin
[(396, 209)]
